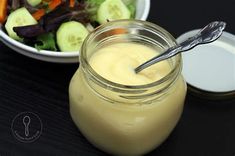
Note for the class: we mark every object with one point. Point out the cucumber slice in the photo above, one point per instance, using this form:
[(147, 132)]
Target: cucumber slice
[(34, 2), (19, 17), (70, 36), (111, 10)]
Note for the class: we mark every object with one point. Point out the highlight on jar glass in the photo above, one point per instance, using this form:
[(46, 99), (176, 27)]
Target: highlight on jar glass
[(117, 110)]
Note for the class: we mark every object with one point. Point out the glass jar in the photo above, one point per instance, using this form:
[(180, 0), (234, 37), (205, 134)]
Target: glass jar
[(122, 119)]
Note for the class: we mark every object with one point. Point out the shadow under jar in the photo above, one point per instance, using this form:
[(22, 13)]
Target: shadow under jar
[(126, 119)]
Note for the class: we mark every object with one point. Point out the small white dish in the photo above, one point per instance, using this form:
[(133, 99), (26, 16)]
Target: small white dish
[(211, 67), (142, 11)]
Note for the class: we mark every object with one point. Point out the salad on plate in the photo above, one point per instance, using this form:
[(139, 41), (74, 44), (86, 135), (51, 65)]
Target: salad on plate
[(59, 25)]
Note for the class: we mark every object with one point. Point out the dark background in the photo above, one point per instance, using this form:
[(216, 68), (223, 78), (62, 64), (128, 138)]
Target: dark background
[(207, 127)]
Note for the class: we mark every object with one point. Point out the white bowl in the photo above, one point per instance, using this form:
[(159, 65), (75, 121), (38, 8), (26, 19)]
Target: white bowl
[(142, 11)]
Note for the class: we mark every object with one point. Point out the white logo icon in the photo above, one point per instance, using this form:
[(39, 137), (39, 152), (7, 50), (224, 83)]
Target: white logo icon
[(26, 127)]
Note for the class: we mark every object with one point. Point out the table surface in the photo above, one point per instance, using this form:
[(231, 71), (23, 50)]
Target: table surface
[(206, 128)]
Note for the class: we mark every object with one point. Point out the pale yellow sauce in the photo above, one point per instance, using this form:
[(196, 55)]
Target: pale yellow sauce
[(123, 128), (118, 61)]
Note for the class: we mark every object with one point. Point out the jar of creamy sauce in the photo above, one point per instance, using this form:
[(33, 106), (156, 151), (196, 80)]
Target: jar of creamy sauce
[(117, 110)]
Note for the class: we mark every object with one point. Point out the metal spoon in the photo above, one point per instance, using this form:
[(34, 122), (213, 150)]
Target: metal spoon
[(208, 34)]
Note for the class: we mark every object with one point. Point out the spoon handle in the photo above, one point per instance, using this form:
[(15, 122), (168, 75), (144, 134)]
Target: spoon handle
[(208, 34)]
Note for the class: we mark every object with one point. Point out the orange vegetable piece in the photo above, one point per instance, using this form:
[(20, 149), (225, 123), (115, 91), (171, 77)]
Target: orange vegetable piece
[(119, 31), (54, 3), (71, 3), (3, 10), (38, 14)]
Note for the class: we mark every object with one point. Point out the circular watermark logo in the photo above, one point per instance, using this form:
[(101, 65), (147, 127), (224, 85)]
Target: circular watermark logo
[(26, 127)]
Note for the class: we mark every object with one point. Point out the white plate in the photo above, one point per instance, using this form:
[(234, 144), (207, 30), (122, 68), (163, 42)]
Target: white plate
[(142, 11), (210, 67)]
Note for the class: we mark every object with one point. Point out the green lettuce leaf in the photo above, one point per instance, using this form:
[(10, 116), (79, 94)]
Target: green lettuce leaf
[(127, 2), (46, 42), (93, 5), (132, 9)]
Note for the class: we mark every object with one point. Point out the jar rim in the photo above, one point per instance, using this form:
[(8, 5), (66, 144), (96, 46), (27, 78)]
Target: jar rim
[(84, 60)]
